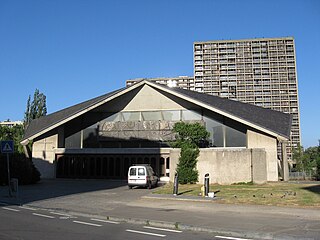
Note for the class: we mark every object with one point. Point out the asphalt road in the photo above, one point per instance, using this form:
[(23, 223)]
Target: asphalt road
[(29, 223), (112, 199)]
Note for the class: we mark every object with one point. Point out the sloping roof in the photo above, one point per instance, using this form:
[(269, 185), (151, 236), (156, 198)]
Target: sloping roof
[(40, 124), (274, 121)]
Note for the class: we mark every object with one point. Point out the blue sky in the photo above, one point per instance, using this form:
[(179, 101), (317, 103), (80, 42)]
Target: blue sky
[(74, 50)]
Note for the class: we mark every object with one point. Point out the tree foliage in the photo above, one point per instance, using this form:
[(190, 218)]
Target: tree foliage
[(20, 167), (307, 160), (35, 108), (298, 158), (189, 136), (14, 133), (193, 133)]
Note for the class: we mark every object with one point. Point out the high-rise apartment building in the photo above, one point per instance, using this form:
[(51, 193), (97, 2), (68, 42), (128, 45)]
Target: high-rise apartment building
[(257, 71), (185, 82)]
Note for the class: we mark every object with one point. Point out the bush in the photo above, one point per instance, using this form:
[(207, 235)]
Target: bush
[(20, 167), (189, 136), (317, 175), (186, 167)]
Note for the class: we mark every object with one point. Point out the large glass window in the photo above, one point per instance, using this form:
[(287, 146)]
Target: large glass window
[(188, 115), (90, 137), (217, 136), (131, 116), (231, 134), (235, 138), (151, 116), (119, 130), (171, 115), (115, 117), (73, 141)]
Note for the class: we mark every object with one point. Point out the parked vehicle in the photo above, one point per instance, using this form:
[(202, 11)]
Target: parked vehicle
[(142, 175)]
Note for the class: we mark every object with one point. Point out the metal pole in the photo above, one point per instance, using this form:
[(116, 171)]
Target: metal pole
[(206, 184), (8, 167), (175, 185)]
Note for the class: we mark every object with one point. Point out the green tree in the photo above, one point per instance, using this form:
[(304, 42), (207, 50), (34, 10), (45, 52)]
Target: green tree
[(297, 156), (307, 160), (35, 109), (189, 136), (20, 167), (14, 133)]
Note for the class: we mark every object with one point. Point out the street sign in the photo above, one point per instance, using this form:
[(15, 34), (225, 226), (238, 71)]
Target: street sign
[(7, 146)]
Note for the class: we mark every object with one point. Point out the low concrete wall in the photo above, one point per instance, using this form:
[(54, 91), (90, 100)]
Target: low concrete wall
[(259, 166), (227, 166), (258, 140)]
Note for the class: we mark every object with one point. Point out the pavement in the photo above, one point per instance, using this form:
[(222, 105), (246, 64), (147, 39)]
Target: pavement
[(113, 200)]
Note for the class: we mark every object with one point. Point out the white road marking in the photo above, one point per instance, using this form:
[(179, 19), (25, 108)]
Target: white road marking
[(104, 221), (11, 209), (232, 238), (86, 223), (145, 233), (61, 214), (42, 215), (163, 229), (28, 208)]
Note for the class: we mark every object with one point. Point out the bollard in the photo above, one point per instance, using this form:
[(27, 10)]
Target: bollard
[(14, 183), (175, 185), (206, 184)]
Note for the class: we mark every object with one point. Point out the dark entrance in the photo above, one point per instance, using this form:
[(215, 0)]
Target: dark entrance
[(102, 166)]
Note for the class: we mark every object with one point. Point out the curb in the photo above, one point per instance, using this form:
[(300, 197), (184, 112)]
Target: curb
[(177, 198)]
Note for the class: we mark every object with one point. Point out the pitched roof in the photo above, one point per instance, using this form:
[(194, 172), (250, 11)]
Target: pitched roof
[(274, 121), (42, 123)]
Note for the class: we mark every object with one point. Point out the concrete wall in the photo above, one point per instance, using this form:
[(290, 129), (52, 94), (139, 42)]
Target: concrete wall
[(174, 159), (155, 101), (43, 155), (258, 140), (227, 166), (259, 166)]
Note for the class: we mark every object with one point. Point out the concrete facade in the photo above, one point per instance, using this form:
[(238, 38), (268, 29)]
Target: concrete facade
[(150, 99), (269, 144), (43, 155), (228, 166)]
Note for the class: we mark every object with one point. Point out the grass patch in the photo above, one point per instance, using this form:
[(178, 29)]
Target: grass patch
[(274, 194)]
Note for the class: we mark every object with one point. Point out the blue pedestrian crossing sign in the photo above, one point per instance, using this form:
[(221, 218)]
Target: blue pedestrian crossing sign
[(7, 146)]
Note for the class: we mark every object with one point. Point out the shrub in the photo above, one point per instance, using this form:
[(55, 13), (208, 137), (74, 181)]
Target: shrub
[(20, 167), (186, 167), (189, 137)]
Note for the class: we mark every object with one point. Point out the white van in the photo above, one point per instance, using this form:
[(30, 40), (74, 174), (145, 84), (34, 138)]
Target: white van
[(142, 175)]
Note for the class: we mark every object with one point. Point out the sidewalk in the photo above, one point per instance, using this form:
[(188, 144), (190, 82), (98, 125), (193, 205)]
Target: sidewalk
[(113, 200)]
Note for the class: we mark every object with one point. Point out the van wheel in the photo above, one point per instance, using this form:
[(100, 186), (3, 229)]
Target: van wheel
[(149, 185), (130, 187)]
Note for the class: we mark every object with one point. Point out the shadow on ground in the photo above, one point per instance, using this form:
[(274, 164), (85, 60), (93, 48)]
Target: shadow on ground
[(314, 189), (55, 188)]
